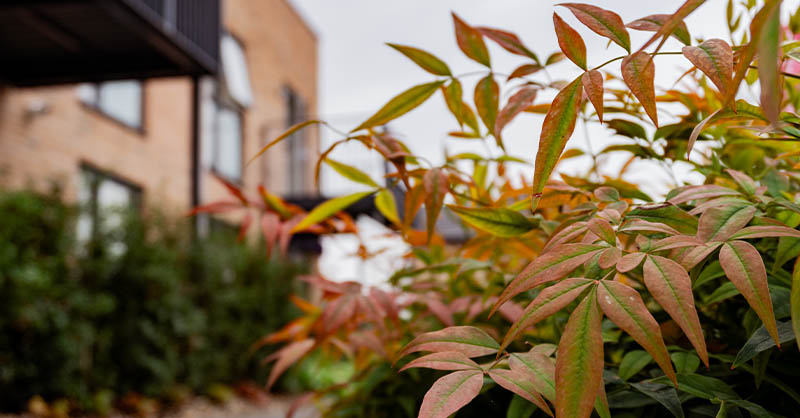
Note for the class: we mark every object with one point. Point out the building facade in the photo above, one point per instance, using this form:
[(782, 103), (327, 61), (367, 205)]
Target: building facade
[(159, 142)]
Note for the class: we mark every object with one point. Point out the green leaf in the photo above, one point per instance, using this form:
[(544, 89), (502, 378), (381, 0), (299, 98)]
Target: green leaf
[(487, 101), (387, 206), (549, 301), (351, 173), (743, 266), (633, 362), (552, 265), (451, 393), (702, 386), (726, 291), (453, 97), (653, 23), (471, 42), (283, 136), (755, 410), (400, 105), (794, 301), (638, 72), (714, 58), (570, 42), (470, 341), (625, 307), (496, 221), (520, 408), (768, 70), (672, 22), (685, 362), (665, 395), (558, 125), (603, 22), (666, 214), (328, 209), (761, 341), (579, 362), (671, 287), (427, 61), (603, 230)]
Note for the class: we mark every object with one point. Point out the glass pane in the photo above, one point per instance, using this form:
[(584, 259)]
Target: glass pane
[(228, 158), (122, 100), (234, 68)]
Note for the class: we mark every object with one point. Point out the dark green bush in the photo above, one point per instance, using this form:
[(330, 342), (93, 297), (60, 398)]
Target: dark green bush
[(167, 313)]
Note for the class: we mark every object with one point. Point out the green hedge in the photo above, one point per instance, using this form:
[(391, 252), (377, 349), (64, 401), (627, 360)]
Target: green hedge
[(168, 313)]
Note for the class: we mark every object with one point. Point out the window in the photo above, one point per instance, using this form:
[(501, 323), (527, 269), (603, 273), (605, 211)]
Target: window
[(119, 100), (227, 144), (234, 71), (298, 148), (105, 202)]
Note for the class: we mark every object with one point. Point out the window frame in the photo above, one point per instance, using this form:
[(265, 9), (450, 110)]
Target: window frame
[(93, 209), (94, 106), (294, 101)]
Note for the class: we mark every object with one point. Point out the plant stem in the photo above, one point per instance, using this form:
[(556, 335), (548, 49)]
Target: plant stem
[(623, 56)]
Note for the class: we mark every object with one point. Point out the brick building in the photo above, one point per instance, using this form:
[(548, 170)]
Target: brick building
[(157, 141)]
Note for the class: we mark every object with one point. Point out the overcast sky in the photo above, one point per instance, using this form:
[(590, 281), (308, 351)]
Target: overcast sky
[(359, 73)]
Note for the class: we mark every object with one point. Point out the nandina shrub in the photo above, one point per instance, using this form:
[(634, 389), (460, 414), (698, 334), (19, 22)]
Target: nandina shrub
[(585, 293)]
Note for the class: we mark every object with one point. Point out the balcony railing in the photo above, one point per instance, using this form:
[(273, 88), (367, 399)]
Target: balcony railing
[(67, 41)]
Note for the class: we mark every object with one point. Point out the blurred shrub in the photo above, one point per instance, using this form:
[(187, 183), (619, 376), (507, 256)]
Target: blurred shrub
[(166, 314)]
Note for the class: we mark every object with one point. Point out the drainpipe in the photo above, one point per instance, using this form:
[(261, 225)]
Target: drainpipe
[(195, 152)]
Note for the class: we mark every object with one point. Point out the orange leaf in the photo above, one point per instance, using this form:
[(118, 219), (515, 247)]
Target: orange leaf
[(487, 100), (653, 23), (671, 287), (523, 70), (557, 127), (745, 269), (639, 72), (508, 41), (570, 42), (579, 362), (593, 86), (603, 22), (674, 21), (436, 187), (471, 42)]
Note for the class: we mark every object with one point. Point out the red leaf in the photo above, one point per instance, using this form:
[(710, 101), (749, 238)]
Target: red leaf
[(270, 224), (603, 229), (745, 269), (624, 306), (508, 41), (215, 207), (552, 265), (764, 231), (593, 86), (470, 341), (579, 363), (446, 360), (450, 393), (516, 104), (603, 22), (551, 300), (518, 383), (471, 42), (674, 21), (556, 130), (714, 58), (671, 287), (234, 190), (287, 356), (570, 42), (523, 70), (654, 23), (639, 72), (718, 224), (629, 262)]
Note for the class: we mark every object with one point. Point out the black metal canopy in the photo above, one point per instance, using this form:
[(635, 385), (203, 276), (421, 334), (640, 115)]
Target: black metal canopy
[(67, 41)]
